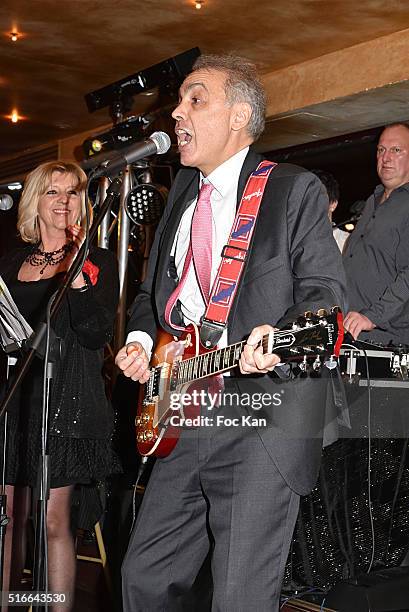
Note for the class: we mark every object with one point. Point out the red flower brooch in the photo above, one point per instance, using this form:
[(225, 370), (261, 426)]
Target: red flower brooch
[(91, 270)]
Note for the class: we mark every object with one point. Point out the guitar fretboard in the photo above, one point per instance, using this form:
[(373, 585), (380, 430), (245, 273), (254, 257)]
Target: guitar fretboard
[(223, 359), (208, 364), (215, 362)]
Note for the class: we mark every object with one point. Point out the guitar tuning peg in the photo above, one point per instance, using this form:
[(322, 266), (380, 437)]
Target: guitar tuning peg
[(335, 309), (322, 313), (317, 364), (304, 364), (309, 318), (331, 363), (295, 326)]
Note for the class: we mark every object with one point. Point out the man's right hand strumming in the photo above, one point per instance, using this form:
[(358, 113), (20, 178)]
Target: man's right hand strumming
[(133, 361)]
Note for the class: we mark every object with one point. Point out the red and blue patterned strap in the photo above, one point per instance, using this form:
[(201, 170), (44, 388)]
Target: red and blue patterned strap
[(234, 256)]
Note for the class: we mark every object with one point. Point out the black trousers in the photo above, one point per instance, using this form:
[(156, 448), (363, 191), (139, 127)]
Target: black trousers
[(218, 490)]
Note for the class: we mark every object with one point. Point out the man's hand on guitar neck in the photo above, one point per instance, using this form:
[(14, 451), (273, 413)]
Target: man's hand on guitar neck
[(253, 360), (133, 361)]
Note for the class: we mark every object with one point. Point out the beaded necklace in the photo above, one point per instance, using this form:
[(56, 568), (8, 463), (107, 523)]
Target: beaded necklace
[(49, 258)]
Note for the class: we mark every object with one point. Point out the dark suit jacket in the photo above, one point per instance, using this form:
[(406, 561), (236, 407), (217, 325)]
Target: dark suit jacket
[(294, 265)]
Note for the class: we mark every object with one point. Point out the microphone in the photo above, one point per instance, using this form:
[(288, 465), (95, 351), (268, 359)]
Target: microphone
[(113, 161), (356, 209)]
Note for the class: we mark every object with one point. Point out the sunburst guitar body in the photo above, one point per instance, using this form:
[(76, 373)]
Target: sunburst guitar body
[(178, 364)]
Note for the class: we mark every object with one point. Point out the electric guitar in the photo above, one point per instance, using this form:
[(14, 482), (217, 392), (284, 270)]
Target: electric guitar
[(177, 363)]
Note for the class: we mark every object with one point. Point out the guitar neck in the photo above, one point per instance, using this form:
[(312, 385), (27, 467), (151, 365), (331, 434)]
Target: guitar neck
[(318, 338), (216, 361), (209, 364)]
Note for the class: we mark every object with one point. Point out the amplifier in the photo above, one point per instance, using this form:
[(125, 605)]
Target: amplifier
[(388, 416), (381, 591), (384, 362), (388, 382)]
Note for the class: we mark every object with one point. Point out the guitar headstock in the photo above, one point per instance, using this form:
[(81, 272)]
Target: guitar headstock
[(311, 335)]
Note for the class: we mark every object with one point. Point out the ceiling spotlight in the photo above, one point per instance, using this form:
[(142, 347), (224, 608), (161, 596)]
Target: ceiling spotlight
[(14, 116), (198, 4), (14, 36), (144, 204)]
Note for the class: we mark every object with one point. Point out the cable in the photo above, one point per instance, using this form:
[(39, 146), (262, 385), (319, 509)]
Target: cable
[(45, 407), (322, 604), (144, 461), (371, 519), (44, 440), (87, 228), (299, 595)]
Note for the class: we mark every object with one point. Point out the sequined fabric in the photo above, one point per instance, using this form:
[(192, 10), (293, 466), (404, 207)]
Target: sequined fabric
[(81, 418), (333, 537)]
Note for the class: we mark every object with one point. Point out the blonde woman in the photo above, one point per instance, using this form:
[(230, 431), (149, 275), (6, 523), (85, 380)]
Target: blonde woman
[(50, 221)]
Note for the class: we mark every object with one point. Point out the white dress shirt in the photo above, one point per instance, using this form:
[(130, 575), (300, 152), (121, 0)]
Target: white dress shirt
[(340, 238), (225, 180)]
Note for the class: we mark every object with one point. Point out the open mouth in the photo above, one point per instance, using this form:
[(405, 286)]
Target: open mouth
[(183, 136)]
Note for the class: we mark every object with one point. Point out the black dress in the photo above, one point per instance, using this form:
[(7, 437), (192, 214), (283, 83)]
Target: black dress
[(79, 452)]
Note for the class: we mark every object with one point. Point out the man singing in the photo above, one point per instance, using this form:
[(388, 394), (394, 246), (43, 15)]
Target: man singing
[(234, 491)]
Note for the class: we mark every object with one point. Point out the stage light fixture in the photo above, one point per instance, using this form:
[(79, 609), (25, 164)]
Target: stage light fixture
[(121, 135), (6, 201), (96, 145), (144, 204), (14, 36), (167, 74), (198, 4)]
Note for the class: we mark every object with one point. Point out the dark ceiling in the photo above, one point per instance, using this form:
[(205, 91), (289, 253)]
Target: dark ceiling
[(70, 48)]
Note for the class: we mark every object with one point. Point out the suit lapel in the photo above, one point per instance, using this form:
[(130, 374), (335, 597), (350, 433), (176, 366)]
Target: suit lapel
[(250, 163), (181, 201)]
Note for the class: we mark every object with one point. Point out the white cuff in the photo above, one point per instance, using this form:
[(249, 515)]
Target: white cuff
[(143, 338)]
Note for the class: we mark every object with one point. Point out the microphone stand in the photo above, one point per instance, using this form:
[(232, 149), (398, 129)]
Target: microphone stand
[(36, 343), (350, 220), (4, 519)]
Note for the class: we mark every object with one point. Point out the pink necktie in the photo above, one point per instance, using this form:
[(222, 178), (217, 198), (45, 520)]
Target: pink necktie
[(201, 240), (200, 251)]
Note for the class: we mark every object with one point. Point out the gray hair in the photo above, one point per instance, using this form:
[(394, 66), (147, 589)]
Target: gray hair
[(242, 85)]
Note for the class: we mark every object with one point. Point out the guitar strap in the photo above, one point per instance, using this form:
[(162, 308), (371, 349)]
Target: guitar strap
[(234, 256)]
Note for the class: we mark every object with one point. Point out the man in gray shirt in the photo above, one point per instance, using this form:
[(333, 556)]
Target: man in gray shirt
[(376, 258)]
